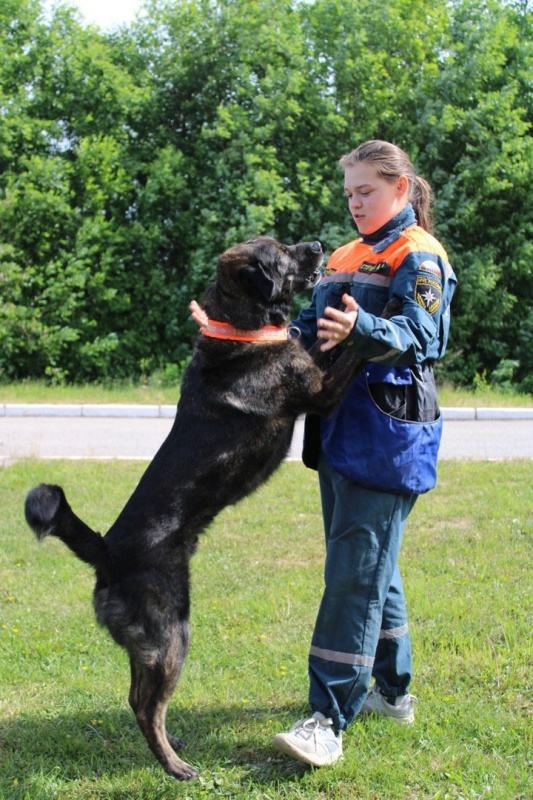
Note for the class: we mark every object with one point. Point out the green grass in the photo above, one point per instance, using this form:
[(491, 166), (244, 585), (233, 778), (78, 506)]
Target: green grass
[(66, 731), (483, 397), (153, 391), (149, 392)]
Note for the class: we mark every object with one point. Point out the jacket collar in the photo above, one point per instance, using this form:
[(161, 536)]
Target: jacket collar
[(392, 229)]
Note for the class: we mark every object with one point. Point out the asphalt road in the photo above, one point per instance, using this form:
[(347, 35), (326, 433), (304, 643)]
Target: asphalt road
[(48, 437)]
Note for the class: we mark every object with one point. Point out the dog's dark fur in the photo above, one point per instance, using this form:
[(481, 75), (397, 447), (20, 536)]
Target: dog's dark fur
[(234, 423)]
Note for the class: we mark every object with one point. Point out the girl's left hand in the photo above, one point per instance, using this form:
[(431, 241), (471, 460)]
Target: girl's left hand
[(339, 324), (198, 314)]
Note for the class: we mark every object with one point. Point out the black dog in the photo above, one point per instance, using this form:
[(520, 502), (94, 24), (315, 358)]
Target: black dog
[(234, 424)]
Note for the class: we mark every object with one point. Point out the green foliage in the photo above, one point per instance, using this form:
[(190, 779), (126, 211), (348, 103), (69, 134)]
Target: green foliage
[(66, 729), (480, 161), (129, 161)]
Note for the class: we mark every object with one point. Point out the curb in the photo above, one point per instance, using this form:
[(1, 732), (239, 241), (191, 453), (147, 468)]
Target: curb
[(168, 411), (85, 410), (487, 413)]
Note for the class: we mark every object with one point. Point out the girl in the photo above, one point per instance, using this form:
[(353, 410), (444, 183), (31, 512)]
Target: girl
[(378, 451)]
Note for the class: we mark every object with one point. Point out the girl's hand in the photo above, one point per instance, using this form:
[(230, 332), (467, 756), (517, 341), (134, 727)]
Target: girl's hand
[(198, 314), (339, 324)]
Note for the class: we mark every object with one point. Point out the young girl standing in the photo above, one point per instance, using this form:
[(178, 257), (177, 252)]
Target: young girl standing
[(378, 451)]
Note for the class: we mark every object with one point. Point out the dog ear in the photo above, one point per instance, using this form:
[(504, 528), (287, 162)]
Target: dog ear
[(258, 278)]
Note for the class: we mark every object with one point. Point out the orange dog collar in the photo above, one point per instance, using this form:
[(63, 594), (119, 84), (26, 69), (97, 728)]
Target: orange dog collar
[(223, 330)]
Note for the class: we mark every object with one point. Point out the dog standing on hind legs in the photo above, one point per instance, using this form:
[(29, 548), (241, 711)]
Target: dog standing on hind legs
[(247, 383)]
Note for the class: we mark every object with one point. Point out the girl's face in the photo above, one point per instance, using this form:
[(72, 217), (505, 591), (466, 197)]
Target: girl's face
[(372, 200)]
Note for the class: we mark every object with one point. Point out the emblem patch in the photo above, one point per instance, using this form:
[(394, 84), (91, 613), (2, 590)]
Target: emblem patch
[(428, 293)]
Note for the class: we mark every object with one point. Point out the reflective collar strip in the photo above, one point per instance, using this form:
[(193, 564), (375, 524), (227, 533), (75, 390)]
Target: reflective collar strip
[(223, 330)]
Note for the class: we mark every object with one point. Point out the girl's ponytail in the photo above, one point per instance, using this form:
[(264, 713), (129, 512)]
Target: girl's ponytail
[(421, 197)]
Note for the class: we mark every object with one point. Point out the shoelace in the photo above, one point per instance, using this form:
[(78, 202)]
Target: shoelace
[(312, 725)]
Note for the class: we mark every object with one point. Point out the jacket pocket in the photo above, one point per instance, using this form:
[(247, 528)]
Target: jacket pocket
[(407, 393), (378, 450)]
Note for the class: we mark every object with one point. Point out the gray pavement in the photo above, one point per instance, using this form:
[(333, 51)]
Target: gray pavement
[(136, 432)]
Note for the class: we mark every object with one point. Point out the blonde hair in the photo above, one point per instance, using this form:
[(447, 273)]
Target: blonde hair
[(390, 162)]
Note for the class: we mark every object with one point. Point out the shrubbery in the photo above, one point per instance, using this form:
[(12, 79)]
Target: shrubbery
[(129, 161)]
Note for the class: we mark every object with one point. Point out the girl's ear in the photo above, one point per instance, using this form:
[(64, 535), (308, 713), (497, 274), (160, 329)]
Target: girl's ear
[(402, 186)]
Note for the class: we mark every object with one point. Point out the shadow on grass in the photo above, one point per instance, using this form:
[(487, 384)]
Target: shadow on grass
[(110, 744)]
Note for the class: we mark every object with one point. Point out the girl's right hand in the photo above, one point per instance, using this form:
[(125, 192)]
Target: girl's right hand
[(339, 324)]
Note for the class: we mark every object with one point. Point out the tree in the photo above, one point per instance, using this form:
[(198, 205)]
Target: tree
[(130, 161), (479, 157), (67, 190)]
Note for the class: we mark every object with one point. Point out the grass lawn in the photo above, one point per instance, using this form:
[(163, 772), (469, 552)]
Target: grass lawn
[(66, 730), (151, 393), (154, 392)]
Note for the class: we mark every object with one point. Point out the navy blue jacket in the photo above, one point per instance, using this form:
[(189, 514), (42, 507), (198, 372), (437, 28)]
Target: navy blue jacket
[(386, 433)]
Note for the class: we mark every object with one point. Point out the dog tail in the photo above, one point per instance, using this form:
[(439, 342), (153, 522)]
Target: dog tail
[(49, 514)]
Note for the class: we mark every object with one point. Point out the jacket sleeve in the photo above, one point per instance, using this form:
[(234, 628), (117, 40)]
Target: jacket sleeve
[(305, 322), (424, 284)]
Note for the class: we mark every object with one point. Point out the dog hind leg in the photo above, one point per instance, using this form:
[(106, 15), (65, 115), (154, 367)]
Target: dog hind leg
[(152, 686)]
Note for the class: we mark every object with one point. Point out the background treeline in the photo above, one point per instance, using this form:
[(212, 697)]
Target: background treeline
[(129, 161)]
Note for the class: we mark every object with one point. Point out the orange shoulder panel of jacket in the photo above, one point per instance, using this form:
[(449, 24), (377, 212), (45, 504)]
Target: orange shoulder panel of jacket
[(422, 240), (349, 257), (345, 258)]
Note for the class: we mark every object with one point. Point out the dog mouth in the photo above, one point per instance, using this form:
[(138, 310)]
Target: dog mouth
[(306, 265), (312, 280), (314, 269)]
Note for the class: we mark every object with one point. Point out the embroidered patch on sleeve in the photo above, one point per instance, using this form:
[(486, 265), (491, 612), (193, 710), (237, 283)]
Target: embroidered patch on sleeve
[(428, 293), (432, 268)]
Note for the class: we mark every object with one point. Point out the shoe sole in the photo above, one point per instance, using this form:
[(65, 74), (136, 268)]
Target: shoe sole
[(287, 747)]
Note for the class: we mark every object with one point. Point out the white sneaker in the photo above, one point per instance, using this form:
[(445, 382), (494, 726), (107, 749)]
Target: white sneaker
[(402, 712), (311, 740)]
